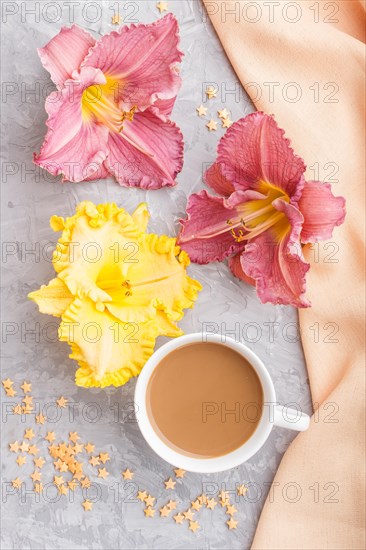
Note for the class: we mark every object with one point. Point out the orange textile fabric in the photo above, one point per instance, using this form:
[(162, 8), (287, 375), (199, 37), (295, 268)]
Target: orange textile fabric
[(315, 67)]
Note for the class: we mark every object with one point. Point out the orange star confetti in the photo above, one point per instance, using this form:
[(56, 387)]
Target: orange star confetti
[(28, 400), (24, 447), (201, 110), (226, 123), (164, 511), (40, 419), (162, 6), (193, 526), (39, 462), (36, 476), (231, 523), (33, 450), (141, 495), (196, 505), (179, 472), (62, 489), (104, 457), (149, 500), (78, 448), (172, 505), (29, 434), (211, 503), (212, 125), (50, 437), (10, 392), (224, 113), (188, 515), (27, 409), (72, 484), (127, 474), (149, 512), (116, 20), (241, 490), (85, 483), (17, 409), (102, 472), (94, 460), (170, 484), (89, 447), (87, 505), (21, 460), (179, 518), (231, 510), (62, 402), (58, 480), (14, 447), (7, 383), (38, 487), (16, 483), (26, 387), (211, 92), (73, 436)]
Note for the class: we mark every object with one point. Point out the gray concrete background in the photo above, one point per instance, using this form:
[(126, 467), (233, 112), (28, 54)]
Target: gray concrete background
[(29, 198)]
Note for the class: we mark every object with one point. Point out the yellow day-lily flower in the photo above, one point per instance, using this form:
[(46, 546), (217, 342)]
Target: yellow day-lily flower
[(117, 289)]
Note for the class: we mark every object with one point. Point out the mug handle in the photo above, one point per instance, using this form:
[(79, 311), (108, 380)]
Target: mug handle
[(292, 419)]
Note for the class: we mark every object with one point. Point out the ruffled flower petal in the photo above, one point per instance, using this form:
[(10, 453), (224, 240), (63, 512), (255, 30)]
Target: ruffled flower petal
[(143, 59), (73, 146), (65, 52), (237, 269), (148, 153), (52, 299), (206, 234), (322, 211), (275, 260), (215, 179), (254, 150), (108, 352)]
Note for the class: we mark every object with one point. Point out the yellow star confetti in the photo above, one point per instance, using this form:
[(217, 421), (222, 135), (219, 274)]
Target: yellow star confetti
[(227, 123), (149, 512), (28, 400), (21, 460), (27, 409), (196, 505), (102, 472), (224, 113), (24, 447), (232, 523), (26, 387), (89, 447), (212, 125), (36, 476), (40, 419), (170, 484), (17, 409), (38, 487), (211, 503), (14, 447), (85, 483), (10, 392), (29, 434), (39, 462), (62, 489), (104, 457), (116, 20), (241, 490), (178, 518), (72, 484), (179, 472), (149, 500), (7, 383), (127, 474), (162, 6), (33, 450), (172, 505), (73, 436), (188, 515), (164, 511), (16, 483), (58, 480), (61, 402), (201, 110), (94, 460), (78, 448), (87, 505), (193, 526), (141, 495), (211, 92), (50, 437), (231, 510)]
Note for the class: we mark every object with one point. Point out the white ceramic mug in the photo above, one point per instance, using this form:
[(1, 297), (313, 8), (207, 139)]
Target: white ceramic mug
[(272, 413)]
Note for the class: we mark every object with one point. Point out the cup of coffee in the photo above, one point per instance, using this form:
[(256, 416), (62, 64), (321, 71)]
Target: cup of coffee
[(207, 403)]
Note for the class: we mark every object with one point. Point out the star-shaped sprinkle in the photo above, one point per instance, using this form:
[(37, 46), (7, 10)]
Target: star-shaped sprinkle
[(27, 409), (7, 383), (39, 462), (172, 504), (212, 125), (179, 472), (72, 484), (104, 457), (241, 490), (149, 512), (26, 387), (36, 476), (193, 526), (87, 505), (149, 500), (61, 402), (17, 409), (162, 6), (227, 123), (24, 447), (78, 475), (94, 460), (196, 505), (73, 436), (188, 514), (21, 460), (50, 437), (40, 419), (231, 510), (211, 92), (33, 449), (29, 434), (10, 392), (14, 447), (116, 20), (164, 511), (231, 523), (211, 503), (179, 518), (224, 113), (102, 472), (16, 483), (38, 487), (77, 449), (170, 484), (28, 400), (127, 474), (201, 110), (58, 480), (202, 499), (85, 483), (89, 447), (141, 495), (62, 489)]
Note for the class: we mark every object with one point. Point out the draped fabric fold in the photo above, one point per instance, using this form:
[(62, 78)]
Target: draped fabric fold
[(313, 61)]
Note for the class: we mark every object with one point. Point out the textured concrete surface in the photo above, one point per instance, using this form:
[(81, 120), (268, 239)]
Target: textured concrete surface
[(29, 198)]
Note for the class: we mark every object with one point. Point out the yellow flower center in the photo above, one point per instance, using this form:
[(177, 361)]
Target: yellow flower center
[(101, 102)]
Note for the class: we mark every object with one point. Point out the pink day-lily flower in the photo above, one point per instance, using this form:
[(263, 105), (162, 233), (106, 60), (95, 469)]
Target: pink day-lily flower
[(266, 211), (110, 113)]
